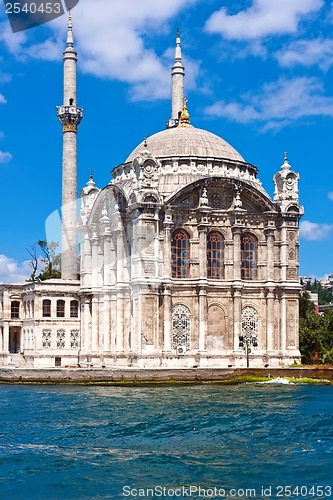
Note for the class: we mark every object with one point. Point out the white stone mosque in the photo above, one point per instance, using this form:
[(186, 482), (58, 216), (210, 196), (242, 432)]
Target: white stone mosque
[(185, 260)]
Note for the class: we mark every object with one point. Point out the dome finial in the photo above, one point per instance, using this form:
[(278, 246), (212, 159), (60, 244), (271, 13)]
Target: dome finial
[(285, 162), (185, 116)]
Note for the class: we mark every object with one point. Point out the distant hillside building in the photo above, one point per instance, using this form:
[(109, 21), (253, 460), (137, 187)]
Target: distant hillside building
[(184, 258)]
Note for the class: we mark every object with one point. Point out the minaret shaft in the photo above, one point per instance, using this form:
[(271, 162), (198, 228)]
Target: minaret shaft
[(70, 116), (177, 90)]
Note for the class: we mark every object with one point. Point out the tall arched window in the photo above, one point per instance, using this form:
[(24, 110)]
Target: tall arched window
[(215, 255), (180, 254), (249, 256)]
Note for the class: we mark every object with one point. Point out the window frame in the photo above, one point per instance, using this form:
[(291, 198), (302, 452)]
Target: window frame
[(46, 308), (15, 309), (217, 259), (74, 311), (180, 254), (61, 308), (249, 257)]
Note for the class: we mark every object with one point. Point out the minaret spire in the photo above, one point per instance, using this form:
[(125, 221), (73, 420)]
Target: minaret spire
[(70, 38), (177, 75), (70, 115)]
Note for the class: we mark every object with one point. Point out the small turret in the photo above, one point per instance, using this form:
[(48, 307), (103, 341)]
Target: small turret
[(286, 188)]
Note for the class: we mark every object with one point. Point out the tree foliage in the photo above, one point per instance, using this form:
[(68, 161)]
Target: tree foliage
[(316, 333), (325, 296), (46, 253)]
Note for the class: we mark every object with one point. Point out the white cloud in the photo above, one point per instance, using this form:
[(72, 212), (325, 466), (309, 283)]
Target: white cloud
[(264, 18), (314, 231), (5, 157), (3, 100), (112, 39), (330, 195), (308, 53), (13, 272), (278, 103)]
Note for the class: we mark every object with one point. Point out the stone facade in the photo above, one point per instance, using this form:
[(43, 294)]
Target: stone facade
[(184, 255), (185, 260)]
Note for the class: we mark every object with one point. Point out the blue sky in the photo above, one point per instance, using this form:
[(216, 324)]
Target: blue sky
[(258, 73)]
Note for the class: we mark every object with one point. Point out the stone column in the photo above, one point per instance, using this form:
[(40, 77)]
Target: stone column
[(120, 323), (270, 319), (107, 324), (6, 338), (202, 319), (237, 231), (107, 259), (167, 245), (237, 317), (120, 255), (202, 252), (94, 326), (270, 254), (94, 260), (167, 320), (284, 253), (283, 326)]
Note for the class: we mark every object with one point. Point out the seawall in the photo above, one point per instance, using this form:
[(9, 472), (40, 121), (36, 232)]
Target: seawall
[(142, 376)]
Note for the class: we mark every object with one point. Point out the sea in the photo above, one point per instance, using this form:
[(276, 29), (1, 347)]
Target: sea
[(268, 440)]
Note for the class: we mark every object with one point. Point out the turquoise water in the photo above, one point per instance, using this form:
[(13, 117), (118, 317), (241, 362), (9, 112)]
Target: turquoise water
[(59, 442)]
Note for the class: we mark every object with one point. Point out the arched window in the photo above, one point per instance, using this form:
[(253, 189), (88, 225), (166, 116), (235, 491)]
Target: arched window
[(60, 308), (15, 309), (180, 254), (215, 255), (74, 309), (46, 308), (249, 256)]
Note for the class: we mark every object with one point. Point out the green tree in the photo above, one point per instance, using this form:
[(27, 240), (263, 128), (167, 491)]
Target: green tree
[(48, 256), (316, 333)]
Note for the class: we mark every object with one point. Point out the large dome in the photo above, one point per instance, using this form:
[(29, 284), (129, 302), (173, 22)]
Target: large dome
[(187, 142)]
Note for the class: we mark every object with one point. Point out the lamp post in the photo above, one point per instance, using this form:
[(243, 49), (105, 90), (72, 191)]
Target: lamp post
[(246, 341)]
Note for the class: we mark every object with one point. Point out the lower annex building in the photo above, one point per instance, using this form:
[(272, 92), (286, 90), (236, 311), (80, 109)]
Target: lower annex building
[(185, 260)]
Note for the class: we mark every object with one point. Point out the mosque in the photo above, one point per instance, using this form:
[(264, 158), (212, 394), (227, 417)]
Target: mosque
[(185, 260)]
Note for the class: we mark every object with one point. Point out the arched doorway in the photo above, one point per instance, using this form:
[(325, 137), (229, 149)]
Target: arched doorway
[(216, 328)]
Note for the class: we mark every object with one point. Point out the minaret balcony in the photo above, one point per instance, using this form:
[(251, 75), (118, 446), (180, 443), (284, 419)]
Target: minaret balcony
[(70, 117)]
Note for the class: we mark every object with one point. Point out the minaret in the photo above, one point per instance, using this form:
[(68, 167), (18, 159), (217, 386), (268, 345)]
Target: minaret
[(70, 116), (178, 74)]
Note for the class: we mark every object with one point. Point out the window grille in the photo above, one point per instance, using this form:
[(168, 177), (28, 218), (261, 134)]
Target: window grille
[(75, 339), (61, 339), (181, 326), (46, 339)]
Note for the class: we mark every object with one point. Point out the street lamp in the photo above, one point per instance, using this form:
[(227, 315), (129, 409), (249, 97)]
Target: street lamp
[(246, 341)]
